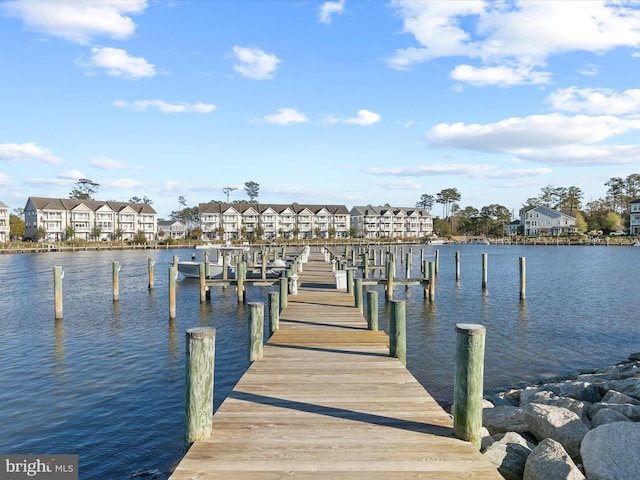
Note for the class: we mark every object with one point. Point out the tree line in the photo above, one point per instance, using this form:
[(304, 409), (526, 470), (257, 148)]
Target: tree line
[(606, 215)]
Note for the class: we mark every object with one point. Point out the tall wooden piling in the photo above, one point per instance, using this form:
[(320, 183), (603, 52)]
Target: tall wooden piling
[(485, 271), (284, 291), (357, 293), (274, 312), (350, 280), (437, 261), (457, 266), (150, 264), (391, 271), (58, 275), (172, 290), (241, 274), (398, 331), (372, 310), (431, 267), (408, 264), (116, 281), (468, 382), (203, 283), (523, 278), (256, 331), (200, 357)]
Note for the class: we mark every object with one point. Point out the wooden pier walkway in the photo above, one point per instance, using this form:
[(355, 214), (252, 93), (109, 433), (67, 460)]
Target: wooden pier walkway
[(327, 401)]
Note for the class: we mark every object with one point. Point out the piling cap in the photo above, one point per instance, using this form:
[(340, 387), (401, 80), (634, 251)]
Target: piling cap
[(201, 332), (470, 329)]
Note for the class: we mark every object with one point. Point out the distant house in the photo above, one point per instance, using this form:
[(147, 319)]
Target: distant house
[(391, 222), (634, 217), (54, 218), (544, 221), (512, 228), (173, 229), (4, 223)]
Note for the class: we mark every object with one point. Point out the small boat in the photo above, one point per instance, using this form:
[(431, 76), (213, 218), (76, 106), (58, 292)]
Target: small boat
[(191, 269), (227, 247)]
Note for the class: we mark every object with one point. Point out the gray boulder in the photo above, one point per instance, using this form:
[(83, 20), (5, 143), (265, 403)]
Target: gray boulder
[(547, 397), (557, 423), (628, 410), (503, 419), (549, 460), (509, 455), (610, 452), (629, 386), (607, 415), (616, 397), (579, 390)]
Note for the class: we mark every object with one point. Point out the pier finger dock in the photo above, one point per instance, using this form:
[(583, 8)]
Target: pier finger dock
[(327, 401)]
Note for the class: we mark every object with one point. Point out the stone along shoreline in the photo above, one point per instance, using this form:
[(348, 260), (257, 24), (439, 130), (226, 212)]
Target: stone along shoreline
[(587, 427)]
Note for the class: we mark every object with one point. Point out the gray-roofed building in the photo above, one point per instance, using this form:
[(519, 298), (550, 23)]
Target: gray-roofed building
[(540, 220), (4, 223), (391, 222), (88, 219), (232, 221), (173, 229)]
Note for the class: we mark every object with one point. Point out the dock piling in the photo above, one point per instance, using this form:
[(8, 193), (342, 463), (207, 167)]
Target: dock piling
[(398, 331), (200, 357), (468, 382), (150, 264), (173, 272), (372, 310), (274, 312), (58, 275), (523, 278), (116, 281), (256, 331)]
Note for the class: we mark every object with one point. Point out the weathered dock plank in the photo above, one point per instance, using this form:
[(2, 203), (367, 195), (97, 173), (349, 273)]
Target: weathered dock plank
[(327, 401)]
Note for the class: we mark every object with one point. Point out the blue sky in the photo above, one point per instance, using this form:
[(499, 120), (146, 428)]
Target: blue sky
[(348, 102)]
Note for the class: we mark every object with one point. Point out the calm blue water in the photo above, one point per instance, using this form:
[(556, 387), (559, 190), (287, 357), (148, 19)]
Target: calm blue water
[(107, 382)]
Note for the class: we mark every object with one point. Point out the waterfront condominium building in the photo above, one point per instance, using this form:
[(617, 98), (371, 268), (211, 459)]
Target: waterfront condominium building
[(4, 223), (54, 219), (233, 221), (391, 222)]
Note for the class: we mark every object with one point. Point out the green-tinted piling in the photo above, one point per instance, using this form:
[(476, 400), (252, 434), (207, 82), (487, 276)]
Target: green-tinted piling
[(468, 382), (398, 331), (200, 357)]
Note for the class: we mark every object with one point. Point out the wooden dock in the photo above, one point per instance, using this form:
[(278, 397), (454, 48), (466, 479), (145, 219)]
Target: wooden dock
[(327, 401)]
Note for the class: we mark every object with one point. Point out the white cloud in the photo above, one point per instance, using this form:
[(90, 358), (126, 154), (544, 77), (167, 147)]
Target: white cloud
[(595, 101), (503, 76), (551, 138), (535, 131), (400, 185), (364, 118), (286, 116), (589, 70), (328, 9), (462, 169), (27, 152), (254, 63), (108, 164), (118, 63), (122, 184), (500, 34), (78, 20), (165, 107), (5, 181)]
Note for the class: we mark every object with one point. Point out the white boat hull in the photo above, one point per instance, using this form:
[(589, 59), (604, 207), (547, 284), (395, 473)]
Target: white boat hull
[(192, 269)]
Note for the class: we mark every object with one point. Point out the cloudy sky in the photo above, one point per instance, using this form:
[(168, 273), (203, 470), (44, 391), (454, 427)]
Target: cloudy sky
[(348, 102)]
